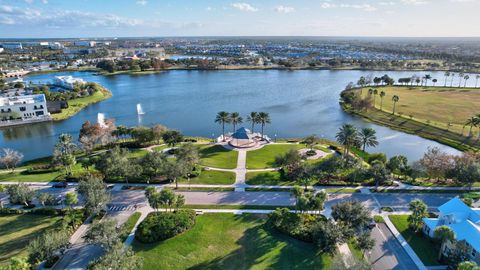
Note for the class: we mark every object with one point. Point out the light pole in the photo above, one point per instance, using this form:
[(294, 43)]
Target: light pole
[(213, 137), (275, 137)]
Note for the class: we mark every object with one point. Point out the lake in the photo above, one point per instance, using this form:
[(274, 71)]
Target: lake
[(300, 103)]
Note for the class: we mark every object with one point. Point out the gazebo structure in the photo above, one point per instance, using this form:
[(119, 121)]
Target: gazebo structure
[(243, 138)]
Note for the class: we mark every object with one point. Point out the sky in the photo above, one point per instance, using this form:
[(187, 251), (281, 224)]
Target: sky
[(158, 18)]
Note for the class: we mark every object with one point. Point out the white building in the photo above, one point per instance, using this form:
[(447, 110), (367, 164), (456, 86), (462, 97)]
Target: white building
[(67, 82), (464, 222), (23, 109), (84, 43), (12, 45)]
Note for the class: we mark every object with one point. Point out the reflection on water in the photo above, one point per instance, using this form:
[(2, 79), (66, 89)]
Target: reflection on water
[(300, 103), (27, 131)]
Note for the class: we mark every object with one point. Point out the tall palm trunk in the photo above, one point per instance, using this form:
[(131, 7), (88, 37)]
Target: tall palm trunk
[(252, 126), (223, 131), (470, 132), (394, 105), (445, 81), (263, 125)]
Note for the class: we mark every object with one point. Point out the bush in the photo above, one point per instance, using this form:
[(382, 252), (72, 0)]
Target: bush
[(10, 211), (45, 211), (296, 225), (164, 225), (387, 209), (311, 153), (377, 156)]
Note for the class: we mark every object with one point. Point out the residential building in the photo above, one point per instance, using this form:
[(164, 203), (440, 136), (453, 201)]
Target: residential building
[(85, 43), (67, 82), (464, 222), (23, 109)]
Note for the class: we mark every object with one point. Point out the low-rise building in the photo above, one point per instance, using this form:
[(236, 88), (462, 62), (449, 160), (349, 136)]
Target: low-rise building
[(464, 222), (12, 45), (23, 109), (67, 82)]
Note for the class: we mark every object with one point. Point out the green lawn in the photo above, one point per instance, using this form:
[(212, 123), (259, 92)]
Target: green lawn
[(227, 241), (267, 178), (265, 156), (21, 175), (17, 230), (426, 250), (76, 105), (137, 153), (213, 178), (218, 157)]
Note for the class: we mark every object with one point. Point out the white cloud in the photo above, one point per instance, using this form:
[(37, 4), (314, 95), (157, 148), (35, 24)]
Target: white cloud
[(244, 7), (284, 9), (414, 2), (209, 9), (328, 5), (463, 1), (365, 7), (390, 3), (45, 1), (142, 2)]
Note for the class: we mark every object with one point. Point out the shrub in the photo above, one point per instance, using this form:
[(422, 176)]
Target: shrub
[(164, 225), (296, 225), (45, 211), (377, 156), (311, 153), (10, 211)]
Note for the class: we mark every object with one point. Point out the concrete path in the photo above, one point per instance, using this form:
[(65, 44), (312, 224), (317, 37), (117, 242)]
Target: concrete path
[(241, 171)]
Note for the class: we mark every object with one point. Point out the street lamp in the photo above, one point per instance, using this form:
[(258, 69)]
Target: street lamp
[(213, 137), (275, 137)]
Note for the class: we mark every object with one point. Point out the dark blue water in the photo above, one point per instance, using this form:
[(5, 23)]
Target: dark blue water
[(300, 103)]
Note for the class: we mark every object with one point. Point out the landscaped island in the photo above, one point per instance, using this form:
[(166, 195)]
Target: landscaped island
[(441, 113)]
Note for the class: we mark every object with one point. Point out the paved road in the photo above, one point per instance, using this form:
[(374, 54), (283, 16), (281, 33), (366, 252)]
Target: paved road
[(245, 198), (388, 253)]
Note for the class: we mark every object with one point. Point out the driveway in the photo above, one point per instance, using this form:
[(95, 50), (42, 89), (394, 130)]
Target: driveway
[(388, 253)]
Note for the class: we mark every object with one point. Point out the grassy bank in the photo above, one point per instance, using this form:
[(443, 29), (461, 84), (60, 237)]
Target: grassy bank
[(436, 113), (265, 156), (227, 241), (76, 105)]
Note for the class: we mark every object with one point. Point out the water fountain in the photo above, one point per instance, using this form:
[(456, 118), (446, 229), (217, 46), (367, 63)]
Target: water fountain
[(140, 109), (101, 120)]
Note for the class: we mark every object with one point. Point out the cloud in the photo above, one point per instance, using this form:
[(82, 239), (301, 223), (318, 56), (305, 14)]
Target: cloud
[(284, 9), (244, 7), (69, 19), (29, 1), (414, 2), (328, 5), (364, 7), (142, 2)]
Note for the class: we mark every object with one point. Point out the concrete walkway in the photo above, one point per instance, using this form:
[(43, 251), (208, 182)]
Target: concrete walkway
[(241, 171)]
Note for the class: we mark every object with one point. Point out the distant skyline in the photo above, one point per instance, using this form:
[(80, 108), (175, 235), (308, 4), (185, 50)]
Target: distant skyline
[(140, 18)]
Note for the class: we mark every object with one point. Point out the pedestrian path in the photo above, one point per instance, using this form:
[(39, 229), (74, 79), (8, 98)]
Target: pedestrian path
[(241, 171), (117, 208)]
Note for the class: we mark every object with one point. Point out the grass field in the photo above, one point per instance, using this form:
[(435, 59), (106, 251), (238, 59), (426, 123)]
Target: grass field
[(267, 178), (17, 230), (426, 250), (76, 105), (218, 157), (428, 111), (227, 241), (265, 156), (22, 175), (213, 178)]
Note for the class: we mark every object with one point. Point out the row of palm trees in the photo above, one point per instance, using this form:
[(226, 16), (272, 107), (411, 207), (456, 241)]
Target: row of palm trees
[(349, 136), (461, 76), (374, 92), (472, 122), (234, 118)]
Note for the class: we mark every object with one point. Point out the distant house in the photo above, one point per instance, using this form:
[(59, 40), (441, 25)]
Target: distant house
[(463, 220), (67, 82), (23, 109)]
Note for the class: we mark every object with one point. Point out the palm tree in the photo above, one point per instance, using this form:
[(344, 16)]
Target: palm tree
[(223, 118), (263, 119), (443, 234), (375, 93), (370, 92), (451, 81), (426, 78), (382, 94), (460, 75), (348, 136), (395, 99), (472, 121), (235, 119), (478, 125), (368, 137), (253, 118), (476, 80), (434, 81), (447, 74), (466, 79)]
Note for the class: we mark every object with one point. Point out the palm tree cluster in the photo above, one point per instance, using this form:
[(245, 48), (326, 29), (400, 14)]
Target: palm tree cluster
[(349, 136), (461, 77), (234, 118)]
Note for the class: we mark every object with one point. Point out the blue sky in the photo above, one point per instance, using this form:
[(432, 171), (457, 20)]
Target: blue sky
[(121, 18)]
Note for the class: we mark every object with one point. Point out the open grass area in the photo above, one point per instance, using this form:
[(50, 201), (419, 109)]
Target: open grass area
[(76, 105), (227, 241), (213, 178), (265, 156), (271, 178), (426, 250), (437, 113), (218, 157), (23, 175), (17, 230)]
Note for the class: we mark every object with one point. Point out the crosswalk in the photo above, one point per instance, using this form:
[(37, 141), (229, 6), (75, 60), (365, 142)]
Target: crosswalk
[(118, 208)]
